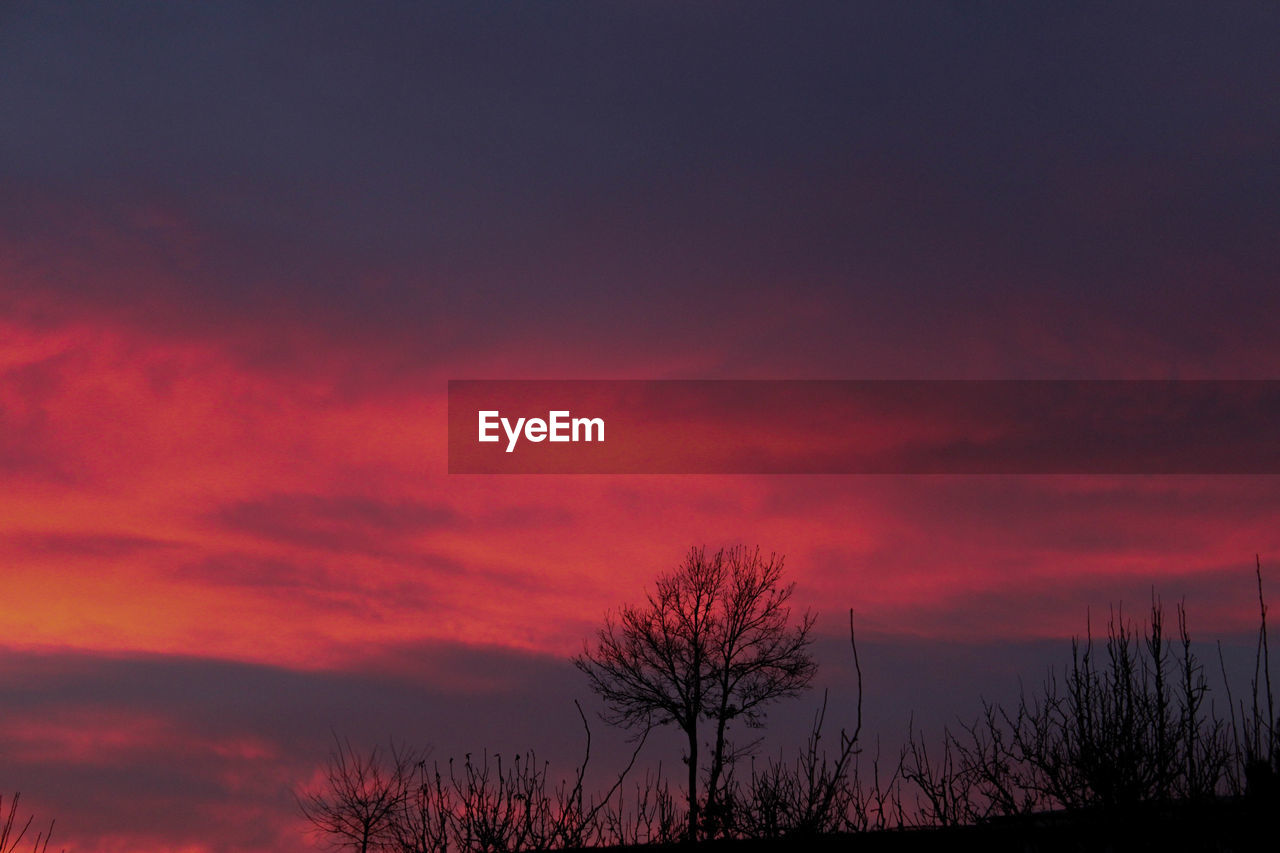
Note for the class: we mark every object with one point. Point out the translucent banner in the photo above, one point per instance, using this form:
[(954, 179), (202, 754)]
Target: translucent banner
[(864, 427)]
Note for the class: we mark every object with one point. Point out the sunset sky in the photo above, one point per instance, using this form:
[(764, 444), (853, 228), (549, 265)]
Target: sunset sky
[(243, 248)]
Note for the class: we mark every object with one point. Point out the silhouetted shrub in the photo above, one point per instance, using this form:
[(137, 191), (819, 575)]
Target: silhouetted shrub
[(1118, 726), (12, 832)]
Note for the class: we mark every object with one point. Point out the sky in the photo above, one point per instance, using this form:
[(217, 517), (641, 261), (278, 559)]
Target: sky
[(244, 248)]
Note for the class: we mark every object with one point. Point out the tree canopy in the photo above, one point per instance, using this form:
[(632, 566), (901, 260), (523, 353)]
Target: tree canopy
[(713, 643)]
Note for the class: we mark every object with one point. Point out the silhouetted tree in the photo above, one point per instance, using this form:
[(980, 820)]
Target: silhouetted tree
[(713, 643), (362, 798)]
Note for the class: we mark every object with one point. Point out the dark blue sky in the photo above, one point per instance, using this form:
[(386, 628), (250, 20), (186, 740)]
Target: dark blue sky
[(606, 172)]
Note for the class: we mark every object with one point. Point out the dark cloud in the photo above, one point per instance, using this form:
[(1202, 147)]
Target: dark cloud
[(171, 750), (1141, 513), (455, 177), (335, 522), (1223, 597), (81, 544)]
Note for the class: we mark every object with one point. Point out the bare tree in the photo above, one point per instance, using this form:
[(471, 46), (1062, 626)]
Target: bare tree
[(362, 797), (424, 822), (11, 833), (713, 643)]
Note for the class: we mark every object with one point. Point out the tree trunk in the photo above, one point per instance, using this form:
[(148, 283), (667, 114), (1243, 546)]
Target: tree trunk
[(717, 768), (692, 731)]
